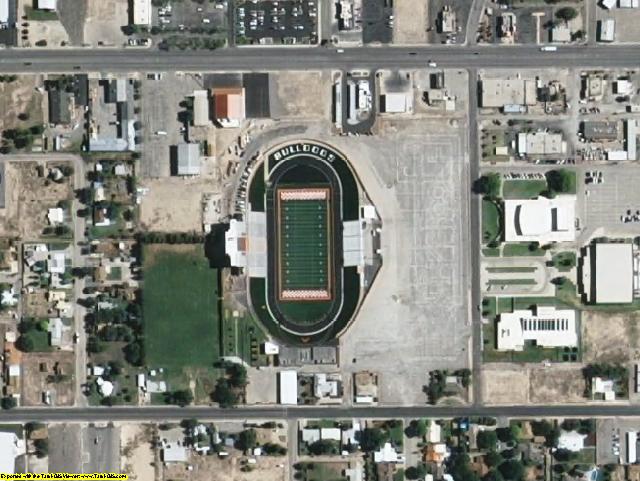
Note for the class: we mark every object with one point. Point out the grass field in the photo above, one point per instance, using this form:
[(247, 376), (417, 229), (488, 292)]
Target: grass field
[(521, 249), (180, 307), (303, 242), (523, 189), (496, 270), (490, 221)]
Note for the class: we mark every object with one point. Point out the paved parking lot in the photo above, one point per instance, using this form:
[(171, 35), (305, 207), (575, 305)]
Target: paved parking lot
[(608, 201), (287, 20), (159, 109), (65, 448), (375, 21), (416, 312), (101, 449), (191, 16)]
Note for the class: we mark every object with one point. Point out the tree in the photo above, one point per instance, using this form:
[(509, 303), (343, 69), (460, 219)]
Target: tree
[(561, 180), (25, 343), (566, 13), (224, 395), (323, 446), (508, 434), (8, 402), (493, 459), (493, 475), (488, 185), (416, 472), (134, 353), (272, 449), (372, 439), (487, 440), (247, 440), (42, 447), (512, 469), (416, 429), (182, 397)]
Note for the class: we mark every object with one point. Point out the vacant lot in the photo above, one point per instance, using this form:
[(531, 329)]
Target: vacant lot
[(411, 22), (610, 337), (180, 307), (20, 97), (294, 98)]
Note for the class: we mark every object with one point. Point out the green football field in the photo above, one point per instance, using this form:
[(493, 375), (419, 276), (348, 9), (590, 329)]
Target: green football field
[(304, 244)]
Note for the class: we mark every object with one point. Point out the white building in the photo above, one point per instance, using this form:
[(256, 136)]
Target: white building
[(606, 387), (236, 246), (571, 441), (546, 327), (608, 273), (540, 220), (541, 143), (607, 30), (289, 387), (330, 434), (50, 5), (4, 12), (189, 159), (632, 443), (386, 454), (10, 448), (141, 12), (397, 103)]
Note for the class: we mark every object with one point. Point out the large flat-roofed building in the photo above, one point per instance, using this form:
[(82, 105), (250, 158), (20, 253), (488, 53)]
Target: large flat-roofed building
[(496, 93), (10, 448), (600, 130), (608, 273), (288, 387), (541, 143), (141, 12), (544, 326), (606, 30), (540, 220)]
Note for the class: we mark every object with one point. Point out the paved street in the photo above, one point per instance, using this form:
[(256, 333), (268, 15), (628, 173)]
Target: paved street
[(173, 413), (255, 59)]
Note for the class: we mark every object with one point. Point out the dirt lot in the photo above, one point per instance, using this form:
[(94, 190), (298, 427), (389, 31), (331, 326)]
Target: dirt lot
[(28, 197), (137, 451), (506, 384), (206, 468), (303, 95), (411, 21), (610, 337), (103, 22), (35, 382), (19, 97), (174, 204), (556, 384), (35, 304)]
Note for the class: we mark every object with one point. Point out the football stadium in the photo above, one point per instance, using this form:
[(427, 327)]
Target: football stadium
[(303, 243)]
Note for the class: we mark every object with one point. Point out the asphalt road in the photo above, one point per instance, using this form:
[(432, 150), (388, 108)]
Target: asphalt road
[(173, 413), (257, 59)]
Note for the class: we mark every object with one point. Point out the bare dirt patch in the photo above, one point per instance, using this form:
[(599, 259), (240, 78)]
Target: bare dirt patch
[(28, 197), (37, 367), (557, 385), (610, 337), (206, 468), (21, 97), (104, 21), (303, 95), (175, 204), (411, 21), (504, 384), (137, 451)]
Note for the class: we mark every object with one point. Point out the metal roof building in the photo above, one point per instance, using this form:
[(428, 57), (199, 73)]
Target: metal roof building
[(188, 159), (289, 387), (141, 12), (201, 108)]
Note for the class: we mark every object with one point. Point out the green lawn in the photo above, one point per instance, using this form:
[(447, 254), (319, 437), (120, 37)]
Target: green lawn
[(39, 15), (523, 189), (490, 221), (511, 282), (491, 252), (515, 269), (564, 261), (242, 337), (180, 308), (521, 249)]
